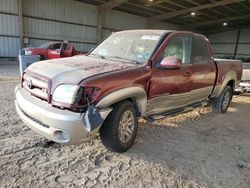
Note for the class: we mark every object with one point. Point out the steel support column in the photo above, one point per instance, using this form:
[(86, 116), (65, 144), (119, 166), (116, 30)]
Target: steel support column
[(237, 42), (20, 22), (99, 24)]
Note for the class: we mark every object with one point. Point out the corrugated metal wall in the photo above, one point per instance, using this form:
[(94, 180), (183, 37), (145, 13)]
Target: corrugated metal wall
[(224, 43), (69, 20), (9, 41), (244, 44), (48, 20)]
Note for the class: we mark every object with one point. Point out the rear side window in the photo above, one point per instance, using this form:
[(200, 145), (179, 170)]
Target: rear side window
[(200, 51), (179, 47)]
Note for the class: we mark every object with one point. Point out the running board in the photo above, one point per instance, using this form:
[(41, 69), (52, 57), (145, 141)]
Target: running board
[(152, 118)]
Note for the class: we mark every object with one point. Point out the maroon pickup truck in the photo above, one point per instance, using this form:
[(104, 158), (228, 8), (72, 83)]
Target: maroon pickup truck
[(138, 73)]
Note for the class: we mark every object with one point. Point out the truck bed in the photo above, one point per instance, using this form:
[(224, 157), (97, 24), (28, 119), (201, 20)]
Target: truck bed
[(227, 68), (226, 65)]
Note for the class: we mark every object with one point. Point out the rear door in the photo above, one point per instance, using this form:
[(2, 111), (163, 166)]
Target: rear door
[(170, 89), (203, 69)]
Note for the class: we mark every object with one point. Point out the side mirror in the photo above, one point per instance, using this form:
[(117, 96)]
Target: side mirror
[(170, 62)]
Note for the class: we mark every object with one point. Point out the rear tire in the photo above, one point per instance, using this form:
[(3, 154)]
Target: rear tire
[(119, 130), (221, 103)]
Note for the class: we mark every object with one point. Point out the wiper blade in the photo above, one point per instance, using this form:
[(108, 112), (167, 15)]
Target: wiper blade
[(124, 58), (98, 55)]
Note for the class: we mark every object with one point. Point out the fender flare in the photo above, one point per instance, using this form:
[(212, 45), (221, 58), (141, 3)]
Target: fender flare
[(135, 92), (229, 76)]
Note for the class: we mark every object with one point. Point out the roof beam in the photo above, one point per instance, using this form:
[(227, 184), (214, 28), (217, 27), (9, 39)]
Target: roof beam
[(196, 8), (202, 13), (110, 4), (232, 10), (152, 3), (244, 7), (175, 4), (145, 7), (193, 2), (156, 4), (221, 20), (219, 12)]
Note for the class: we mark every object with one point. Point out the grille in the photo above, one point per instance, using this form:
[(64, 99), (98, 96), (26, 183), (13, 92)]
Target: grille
[(38, 86)]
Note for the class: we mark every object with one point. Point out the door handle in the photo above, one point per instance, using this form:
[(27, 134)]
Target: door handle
[(187, 74)]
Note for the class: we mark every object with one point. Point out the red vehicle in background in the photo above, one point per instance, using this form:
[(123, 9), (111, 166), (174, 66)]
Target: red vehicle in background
[(52, 50)]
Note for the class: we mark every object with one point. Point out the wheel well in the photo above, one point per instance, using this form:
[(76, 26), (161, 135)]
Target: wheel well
[(231, 84), (131, 99)]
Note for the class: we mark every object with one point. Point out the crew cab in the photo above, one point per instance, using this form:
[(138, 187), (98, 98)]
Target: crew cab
[(52, 50), (137, 73)]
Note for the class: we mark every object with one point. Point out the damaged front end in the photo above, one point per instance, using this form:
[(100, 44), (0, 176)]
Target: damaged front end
[(94, 118), (81, 100), (60, 118)]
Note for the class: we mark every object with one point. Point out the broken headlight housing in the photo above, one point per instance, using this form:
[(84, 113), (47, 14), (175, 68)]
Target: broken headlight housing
[(74, 96)]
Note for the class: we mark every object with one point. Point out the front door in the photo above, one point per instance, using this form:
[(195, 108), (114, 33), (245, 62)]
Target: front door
[(67, 50), (170, 89), (54, 50)]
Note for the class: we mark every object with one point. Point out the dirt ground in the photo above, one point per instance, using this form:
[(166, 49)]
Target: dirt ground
[(195, 149)]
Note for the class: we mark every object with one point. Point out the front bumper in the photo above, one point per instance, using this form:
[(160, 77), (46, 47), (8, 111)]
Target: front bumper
[(62, 126)]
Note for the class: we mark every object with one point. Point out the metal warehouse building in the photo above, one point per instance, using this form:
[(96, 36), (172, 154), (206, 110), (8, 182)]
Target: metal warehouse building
[(225, 22), (125, 93), (48, 20)]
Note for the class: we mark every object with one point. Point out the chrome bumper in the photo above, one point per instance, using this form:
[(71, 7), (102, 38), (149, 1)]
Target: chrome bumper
[(62, 126)]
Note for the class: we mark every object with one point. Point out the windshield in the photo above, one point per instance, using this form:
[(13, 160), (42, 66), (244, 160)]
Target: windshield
[(132, 47), (45, 45)]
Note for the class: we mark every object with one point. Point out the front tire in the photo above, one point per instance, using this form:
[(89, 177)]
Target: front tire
[(221, 103), (119, 130)]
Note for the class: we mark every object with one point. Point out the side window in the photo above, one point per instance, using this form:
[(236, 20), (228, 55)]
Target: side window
[(66, 46), (55, 46), (179, 47), (200, 51)]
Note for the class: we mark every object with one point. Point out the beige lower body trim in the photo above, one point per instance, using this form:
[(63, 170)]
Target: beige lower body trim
[(165, 103)]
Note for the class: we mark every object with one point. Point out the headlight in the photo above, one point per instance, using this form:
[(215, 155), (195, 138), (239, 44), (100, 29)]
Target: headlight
[(65, 93), (28, 52)]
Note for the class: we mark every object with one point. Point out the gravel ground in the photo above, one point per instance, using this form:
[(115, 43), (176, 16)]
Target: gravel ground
[(195, 149)]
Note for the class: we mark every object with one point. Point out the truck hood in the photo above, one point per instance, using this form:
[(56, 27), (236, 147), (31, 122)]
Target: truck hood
[(74, 69)]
